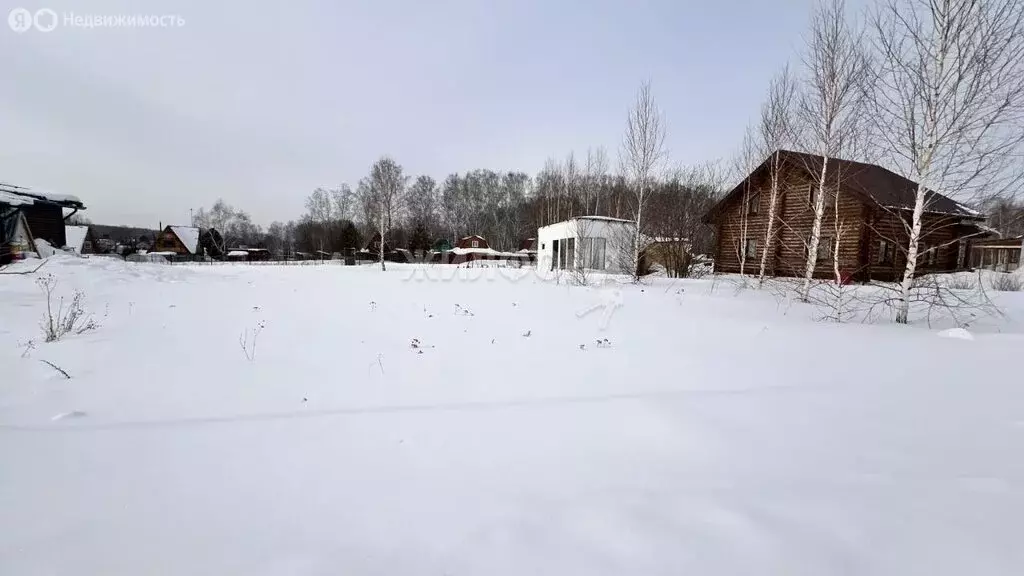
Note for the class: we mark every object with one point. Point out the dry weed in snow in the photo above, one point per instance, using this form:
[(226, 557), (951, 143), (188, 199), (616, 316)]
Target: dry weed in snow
[(60, 321)]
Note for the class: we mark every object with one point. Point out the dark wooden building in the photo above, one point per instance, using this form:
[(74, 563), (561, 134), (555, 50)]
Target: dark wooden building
[(190, 242), (870, 218), (43, 211), (474, 241)]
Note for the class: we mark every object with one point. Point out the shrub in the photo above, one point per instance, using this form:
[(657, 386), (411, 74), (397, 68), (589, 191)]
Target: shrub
[(1003, 282), (73, 319), (961, 282)]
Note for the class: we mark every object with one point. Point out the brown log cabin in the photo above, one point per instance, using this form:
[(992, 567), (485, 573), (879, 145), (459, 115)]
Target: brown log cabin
[(868, 208)]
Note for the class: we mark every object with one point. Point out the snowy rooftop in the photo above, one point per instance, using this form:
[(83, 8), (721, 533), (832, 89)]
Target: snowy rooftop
[(189, 236), (237, 253), (482, 251), (603, 218), (20, 195), (14, 199)]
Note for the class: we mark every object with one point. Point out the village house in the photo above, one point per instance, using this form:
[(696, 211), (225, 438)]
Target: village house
[(587, 242), (188, 242), (868, 210)]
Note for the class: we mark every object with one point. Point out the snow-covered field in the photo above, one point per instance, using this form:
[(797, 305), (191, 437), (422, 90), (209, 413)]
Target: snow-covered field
[(718, 431)]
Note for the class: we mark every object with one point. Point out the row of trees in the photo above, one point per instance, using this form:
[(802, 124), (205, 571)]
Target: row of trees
[(506, 208)]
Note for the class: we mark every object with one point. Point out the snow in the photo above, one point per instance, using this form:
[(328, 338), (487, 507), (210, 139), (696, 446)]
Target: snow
[(603, 219), (44, 248), (189, 236), (75, 237), (958, 333), (236, 253), (967, 209), (704, 430), (484, 251), (9, 190), (14, 199)]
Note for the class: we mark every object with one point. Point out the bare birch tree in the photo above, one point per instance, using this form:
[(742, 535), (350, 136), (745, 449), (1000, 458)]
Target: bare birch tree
[(776, 133), (594, 176), (831, 106), (641, 157), (949, 102), (387, 187), (743, 164)]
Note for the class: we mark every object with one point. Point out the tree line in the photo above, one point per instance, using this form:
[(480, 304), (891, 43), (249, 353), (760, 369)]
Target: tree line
[(506, 208)]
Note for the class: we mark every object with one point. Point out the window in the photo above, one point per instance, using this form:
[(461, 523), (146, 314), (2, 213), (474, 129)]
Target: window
[(825, 244), (570, 254), (554, 254), (825, 248), (884, 252), (750, 248), (592, 253), (753, 203), (1014, 256), (476, 243), (926, 255), (812, 196)]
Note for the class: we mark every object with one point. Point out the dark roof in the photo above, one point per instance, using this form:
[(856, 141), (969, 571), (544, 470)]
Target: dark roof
[(872, 182)]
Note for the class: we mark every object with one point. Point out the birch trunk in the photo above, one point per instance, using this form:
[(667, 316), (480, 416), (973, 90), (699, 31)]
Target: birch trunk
[(772, 207), (903, 307), (812, 245), (636, 242), (380, 247)]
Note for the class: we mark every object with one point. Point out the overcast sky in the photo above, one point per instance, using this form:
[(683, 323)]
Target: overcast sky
[(260, 105)]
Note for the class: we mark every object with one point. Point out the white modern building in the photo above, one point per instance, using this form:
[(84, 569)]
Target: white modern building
[(595, 243)]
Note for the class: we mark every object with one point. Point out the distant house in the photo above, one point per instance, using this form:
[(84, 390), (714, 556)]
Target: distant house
[(874, 205), (528, 247), (43, 214), (474, 241), (595, 243), (79, 239), (256, 254), (189, 242), (373, 246)]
